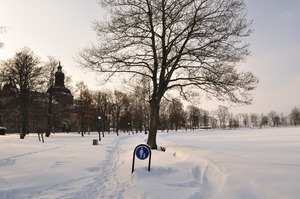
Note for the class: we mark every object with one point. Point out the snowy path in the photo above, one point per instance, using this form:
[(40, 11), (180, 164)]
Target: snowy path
[(103, 181), (106, 183)]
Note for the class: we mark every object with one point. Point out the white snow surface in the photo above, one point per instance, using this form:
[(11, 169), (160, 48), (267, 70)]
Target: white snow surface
[(225, 164)]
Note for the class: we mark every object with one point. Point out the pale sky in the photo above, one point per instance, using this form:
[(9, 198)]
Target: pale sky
[(61, 27)]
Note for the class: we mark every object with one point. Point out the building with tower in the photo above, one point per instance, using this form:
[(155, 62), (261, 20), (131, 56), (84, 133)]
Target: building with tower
[(63, 111), (60, 93)]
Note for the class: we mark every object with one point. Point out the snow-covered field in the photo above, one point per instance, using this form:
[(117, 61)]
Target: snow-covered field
[(244, 163)]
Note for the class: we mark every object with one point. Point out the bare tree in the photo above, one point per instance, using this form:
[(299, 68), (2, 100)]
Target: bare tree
[(223, 114), (49, 72), (164, 123), (176, 114), (126, 113), (264, 121), (83, 105), (254, 119), (213, 122), (175, 44), (274, 118), (142, 93), (193, 116), (105, 111), (204, 118), (295, 116), (283, 119), (117, 108), (233, 121), (23, 72), (137, 114), (245, 117)]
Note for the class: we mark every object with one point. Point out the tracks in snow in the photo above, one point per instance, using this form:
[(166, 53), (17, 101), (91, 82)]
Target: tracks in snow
[(105, 183)]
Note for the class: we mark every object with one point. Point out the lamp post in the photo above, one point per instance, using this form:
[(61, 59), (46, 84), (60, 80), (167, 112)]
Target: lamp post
[(128, 130), (99, 125)]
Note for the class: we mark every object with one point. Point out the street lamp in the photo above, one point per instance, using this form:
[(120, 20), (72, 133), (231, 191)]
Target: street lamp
[(128, 130), (99, 125)]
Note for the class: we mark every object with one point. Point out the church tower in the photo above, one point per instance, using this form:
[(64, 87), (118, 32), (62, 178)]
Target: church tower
[(60, 93), (59, 77)]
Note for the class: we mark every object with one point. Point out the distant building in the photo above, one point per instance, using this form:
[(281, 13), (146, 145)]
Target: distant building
[(60, 93), (63, 115)]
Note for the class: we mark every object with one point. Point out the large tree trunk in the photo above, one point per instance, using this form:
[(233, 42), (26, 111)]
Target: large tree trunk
[(154, 122), (24, 123), (22, 128), (82, 127)]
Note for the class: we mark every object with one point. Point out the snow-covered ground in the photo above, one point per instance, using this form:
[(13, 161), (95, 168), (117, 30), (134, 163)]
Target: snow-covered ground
[(244, 163)]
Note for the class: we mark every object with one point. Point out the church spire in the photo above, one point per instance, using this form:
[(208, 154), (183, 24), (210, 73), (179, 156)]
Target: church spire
[(59, 67), (59, 85), (59, 77)]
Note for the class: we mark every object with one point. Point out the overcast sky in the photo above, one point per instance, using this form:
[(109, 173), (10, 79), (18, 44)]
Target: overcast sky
[(61, 27)]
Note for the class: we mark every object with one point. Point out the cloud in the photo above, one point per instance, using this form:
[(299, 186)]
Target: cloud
[(288, 15)]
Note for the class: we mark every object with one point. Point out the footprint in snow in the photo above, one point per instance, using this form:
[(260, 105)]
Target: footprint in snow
[(7, 162)]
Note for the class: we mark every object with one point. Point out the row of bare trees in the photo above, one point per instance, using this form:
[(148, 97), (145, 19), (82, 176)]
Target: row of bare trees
[(227, 119), (130, 112)]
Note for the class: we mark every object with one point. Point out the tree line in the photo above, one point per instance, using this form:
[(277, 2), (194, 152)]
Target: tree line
[(130, 112), (271, 119), (107, 110)]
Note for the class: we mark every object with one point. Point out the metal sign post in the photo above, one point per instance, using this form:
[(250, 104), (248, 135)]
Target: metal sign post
[(142, 152)]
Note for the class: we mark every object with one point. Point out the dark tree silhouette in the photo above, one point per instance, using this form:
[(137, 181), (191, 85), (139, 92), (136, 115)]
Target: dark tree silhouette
[(23, 73), (295, 116), (49, 72)]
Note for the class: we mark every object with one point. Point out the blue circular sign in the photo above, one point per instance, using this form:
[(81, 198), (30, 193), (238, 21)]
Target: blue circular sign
[(142, 152)]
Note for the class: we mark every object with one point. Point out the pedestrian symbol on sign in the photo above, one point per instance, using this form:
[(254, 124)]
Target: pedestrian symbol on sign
[(142, 152)]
